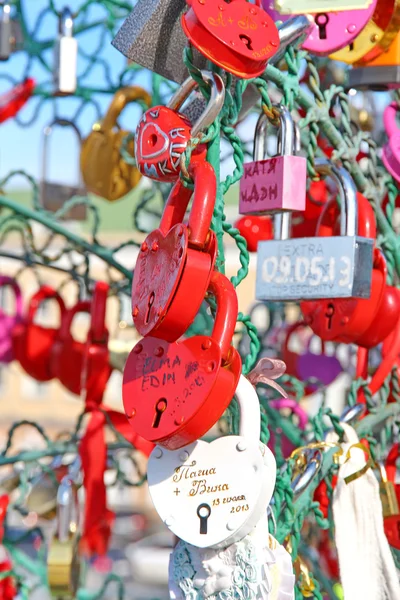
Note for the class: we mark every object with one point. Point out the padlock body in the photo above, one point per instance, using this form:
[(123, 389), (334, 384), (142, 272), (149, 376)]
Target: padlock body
[(5, 39), (53, 197), (274, 184), (392, 530), (161, 138), (174, 393), (391, 155), (374, 78), (314, 268), (167, 273), (313, 6), (388, 496), (66, 65), (63, 567), (32, 347), (7, 324)]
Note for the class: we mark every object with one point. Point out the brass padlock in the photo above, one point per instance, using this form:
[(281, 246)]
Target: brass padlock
[(53, 195), (387, 492), (104, 171), (63, 560)]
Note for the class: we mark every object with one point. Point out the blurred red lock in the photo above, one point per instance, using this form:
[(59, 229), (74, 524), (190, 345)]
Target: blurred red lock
[(32, 343), (254, 229)]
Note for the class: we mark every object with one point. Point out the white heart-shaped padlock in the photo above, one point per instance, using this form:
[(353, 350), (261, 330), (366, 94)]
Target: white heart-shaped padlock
[(213, 494)]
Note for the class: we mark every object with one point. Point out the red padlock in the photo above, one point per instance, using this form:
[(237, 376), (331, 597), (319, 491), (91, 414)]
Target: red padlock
[(32, 343), (234, 34), (304, 223), (11, 102), (346, 320), (84, 366), (176, 261), (163, 134), (174, 393), (254, 229), (391, 468)]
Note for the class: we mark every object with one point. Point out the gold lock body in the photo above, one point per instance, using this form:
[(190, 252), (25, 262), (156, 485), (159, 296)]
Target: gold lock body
[(104, 171), (375, 38), (387, 492), (63, 567)]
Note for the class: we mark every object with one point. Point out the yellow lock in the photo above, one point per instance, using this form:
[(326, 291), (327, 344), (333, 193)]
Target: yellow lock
[(63, 560), (387, 492), (375, 38), (104, 171)]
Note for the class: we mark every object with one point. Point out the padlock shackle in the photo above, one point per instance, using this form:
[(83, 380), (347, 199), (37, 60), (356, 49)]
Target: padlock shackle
[(389, 119), (227, 312), (82, 306), (287, 134), (98, 332), (214, 105), (348, 196), (47, 131), (204, 195), (66, 22), (44, 293), (124, 96), (249, 406), (10, 282)]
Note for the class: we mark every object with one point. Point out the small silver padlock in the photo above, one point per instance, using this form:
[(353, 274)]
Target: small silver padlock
[(53, 196), (152, 36), (315, 268), (5, 32), (375, 79), (66, 55), (278, 183)]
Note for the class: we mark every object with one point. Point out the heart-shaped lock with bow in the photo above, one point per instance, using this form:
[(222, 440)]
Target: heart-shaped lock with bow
[(33, 343), (173, 393), (391, 150), (176, 261), (345, 320), (8, 322), (163, 133), (235, 35), (84, 365), (213, 494), (104, 170)]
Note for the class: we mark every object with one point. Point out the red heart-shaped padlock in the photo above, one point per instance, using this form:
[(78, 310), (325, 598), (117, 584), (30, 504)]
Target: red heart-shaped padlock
[(174, 393), (255, 228), (345, 320), (385, 319), (33, 343), (176, 261), (84, 366), (233, 34)]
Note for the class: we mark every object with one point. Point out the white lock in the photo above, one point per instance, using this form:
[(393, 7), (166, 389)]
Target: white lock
[(213, 494), (66, 55)]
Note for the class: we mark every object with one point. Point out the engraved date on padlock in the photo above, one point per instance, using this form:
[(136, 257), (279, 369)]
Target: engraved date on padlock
[(300, 7), (314, 268)]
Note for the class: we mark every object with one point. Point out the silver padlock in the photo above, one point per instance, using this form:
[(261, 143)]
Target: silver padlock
[(66, 55), (316, 268), (375, 79), (5, 32), (53, 195), (152, 36)]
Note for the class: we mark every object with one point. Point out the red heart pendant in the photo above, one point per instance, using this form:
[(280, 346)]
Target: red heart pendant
[(237, 36)]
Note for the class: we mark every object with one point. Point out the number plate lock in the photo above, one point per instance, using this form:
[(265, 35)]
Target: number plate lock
[(279, 183), (213, 494), (173, 393), (318, 267)]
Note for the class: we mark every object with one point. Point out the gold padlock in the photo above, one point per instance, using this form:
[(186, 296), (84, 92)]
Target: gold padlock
[(375, 38), (104, 171), (63, 560), (387, 492)]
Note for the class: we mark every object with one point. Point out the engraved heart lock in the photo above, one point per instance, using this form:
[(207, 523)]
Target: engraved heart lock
[(84, 365), (104, 170), (33, 343), (391, 150), (213, 494), (163, 134), (346, 320), (173, 393), (176, 261), (330, 31), (235, 35), (8, 322)]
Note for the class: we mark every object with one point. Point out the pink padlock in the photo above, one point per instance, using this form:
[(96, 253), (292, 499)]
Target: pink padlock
[(391, 150), (8, 322), (331, 31), (274, 184)]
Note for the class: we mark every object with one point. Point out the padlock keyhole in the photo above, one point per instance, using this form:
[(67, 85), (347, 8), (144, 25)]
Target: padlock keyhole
[(203, 512), (351, 47), (321, 22), (161, 407), (246, 41), (329, 314), (153, 140), (150, 303)]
